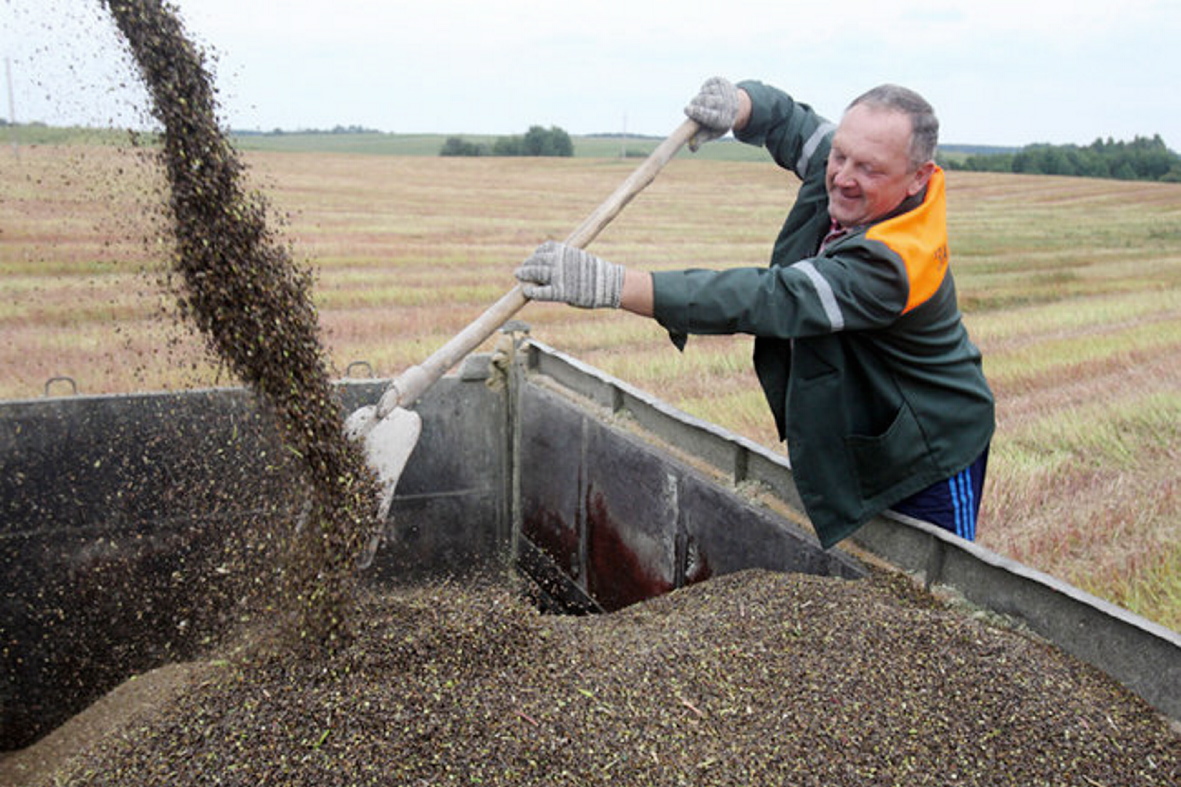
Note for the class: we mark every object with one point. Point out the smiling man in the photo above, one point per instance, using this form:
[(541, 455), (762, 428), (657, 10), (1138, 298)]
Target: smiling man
[(868, 176), (859, 345)]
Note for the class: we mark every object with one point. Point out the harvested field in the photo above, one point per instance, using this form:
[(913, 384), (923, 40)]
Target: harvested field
[(1079, 328), (751, 678)]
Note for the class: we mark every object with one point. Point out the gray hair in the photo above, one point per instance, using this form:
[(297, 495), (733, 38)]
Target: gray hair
[(924, 126)]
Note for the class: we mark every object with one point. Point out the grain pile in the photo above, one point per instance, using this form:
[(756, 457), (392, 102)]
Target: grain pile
[(755, 678), (252, 303)]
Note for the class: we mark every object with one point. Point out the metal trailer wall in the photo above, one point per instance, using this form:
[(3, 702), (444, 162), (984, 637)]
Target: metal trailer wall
[(601, 492), (1142, 655), (133, 526), (112, 513)]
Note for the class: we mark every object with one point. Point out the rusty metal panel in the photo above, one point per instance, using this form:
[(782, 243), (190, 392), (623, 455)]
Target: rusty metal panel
[(549, 472), (610, 518), (631, 500)]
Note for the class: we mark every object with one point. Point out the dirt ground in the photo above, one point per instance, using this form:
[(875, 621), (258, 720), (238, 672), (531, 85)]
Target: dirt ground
[(752, 678)]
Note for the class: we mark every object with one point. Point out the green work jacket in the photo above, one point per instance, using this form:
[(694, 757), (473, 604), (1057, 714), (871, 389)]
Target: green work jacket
[(859, 347)]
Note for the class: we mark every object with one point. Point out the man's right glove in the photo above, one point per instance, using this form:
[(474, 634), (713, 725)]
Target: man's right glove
[(558, 272), (715, 108)]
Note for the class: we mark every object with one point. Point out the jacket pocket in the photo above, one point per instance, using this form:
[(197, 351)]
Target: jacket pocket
[(885, 460)]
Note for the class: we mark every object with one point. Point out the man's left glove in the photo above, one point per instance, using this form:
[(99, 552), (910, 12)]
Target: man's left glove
[(715, 108), (558, 272)]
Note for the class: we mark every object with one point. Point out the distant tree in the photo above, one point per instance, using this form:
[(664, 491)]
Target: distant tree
[(353, 129), (1124, 171), (1144, 158), (983, 162), (560, 143), (540, 142), (458, 146), (537, 141), (508, 146)]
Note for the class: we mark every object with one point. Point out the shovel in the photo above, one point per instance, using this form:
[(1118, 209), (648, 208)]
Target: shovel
[(390, 430)]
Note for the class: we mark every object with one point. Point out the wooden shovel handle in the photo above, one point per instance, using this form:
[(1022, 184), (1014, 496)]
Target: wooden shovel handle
[(407, 387)]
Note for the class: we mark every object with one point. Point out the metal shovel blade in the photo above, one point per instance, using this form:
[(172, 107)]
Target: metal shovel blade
[(388, 443)]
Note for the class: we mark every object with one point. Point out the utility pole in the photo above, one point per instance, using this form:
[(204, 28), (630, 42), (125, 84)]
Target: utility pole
[(11, 107)]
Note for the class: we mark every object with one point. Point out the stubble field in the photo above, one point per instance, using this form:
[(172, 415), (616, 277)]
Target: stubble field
[(1071, 287)]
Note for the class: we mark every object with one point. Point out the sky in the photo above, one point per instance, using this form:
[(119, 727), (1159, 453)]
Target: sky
[(998, 72)]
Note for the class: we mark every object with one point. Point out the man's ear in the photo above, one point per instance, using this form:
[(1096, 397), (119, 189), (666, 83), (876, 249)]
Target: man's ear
[(920, 179)]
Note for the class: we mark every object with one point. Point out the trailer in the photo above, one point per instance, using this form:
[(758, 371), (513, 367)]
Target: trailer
[(133, 525)]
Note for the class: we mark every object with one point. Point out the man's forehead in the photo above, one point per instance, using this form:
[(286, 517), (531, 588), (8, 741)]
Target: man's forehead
[(874, 124)]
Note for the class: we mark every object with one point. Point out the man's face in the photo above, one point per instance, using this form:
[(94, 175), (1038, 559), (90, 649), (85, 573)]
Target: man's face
[(869, 170)]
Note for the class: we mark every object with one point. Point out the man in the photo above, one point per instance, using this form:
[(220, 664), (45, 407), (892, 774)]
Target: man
[(859, 345)]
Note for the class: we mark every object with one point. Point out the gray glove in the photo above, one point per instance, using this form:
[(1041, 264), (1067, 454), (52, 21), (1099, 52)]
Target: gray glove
[(715, 108), (557, 272)]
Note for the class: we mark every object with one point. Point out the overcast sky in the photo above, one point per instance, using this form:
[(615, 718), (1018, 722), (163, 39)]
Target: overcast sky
[(1001, 72)]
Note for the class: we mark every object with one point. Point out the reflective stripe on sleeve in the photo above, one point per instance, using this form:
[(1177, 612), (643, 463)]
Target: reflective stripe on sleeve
[(828, 300), (805, 160)]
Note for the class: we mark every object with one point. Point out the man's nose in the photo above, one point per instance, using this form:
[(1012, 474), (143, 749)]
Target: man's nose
[(842, 174)]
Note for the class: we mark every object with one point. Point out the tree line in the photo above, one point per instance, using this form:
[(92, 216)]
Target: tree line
[(537, 141), (1143, 158)]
